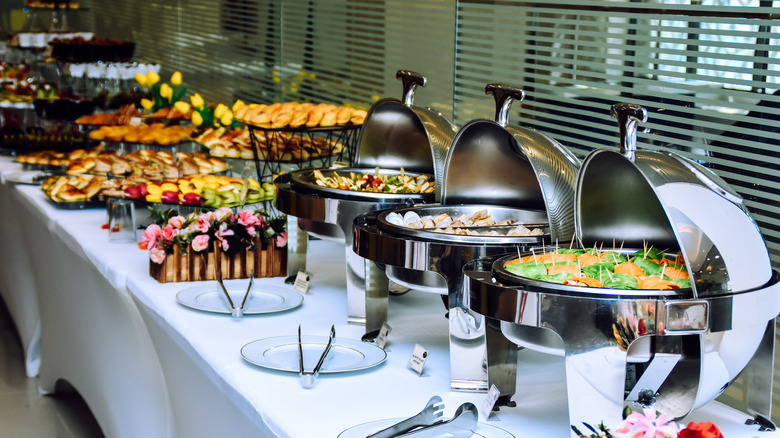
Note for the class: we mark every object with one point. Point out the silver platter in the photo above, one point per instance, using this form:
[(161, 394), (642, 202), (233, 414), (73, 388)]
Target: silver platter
[(529, 218), (306, 182)]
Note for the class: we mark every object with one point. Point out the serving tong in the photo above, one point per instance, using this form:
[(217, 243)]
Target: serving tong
[(426, 424), (309, 378), (237, 312)]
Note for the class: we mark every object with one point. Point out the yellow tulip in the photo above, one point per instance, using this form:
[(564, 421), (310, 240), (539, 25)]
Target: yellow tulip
[(182, 106), (141, 79), (239, 103), (152, 78), (226, 118), (166, 91), (219, 110), (176, 78), (147, 104), (197, 119), (197, 101)]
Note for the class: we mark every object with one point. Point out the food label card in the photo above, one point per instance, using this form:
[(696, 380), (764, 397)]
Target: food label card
[(302, 281), (381, 338), (417, 361), (489, 402)]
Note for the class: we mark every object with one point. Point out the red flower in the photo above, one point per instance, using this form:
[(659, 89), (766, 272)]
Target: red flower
[(704, 429)]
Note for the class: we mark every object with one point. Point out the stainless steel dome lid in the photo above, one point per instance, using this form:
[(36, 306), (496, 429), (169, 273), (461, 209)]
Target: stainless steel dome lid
[(397, 134), (490, 162), (640, 197)]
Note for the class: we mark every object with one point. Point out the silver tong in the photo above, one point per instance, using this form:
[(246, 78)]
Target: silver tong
[(430, 414), (309, 378), (237, 312), (461, 425)]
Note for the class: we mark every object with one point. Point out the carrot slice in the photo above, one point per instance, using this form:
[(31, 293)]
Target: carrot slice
[(656, 283), (630, 269), (557, 269), (583, 281), (587, 259), (675, 273)]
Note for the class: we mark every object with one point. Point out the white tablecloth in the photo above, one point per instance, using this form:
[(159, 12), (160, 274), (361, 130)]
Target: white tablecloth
[(17, 284), (148, 366)]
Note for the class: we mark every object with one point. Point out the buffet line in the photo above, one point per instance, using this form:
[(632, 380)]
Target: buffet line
[(489, 249)]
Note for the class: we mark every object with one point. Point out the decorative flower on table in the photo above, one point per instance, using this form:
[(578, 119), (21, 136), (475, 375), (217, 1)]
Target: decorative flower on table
[(651, 425), (204, 114), (232, 231), (162, 95)]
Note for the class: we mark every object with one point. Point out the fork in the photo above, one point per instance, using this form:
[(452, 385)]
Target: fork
[(430, 415)]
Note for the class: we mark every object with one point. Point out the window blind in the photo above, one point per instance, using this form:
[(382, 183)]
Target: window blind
[(706, 71)]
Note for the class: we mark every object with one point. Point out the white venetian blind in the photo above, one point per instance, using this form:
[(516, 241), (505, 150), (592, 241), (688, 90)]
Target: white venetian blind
[(706, 70)]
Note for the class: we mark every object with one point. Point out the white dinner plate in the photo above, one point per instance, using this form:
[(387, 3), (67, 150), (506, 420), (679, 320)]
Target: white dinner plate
[(262, 299), (484, 430), (29, 177), (281, 353)]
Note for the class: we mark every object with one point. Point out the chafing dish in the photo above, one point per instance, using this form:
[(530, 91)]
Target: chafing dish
[(696, 340), (511, 172), (395, 135)]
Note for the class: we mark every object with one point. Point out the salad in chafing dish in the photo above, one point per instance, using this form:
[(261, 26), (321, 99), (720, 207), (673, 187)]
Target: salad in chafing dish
[(648, 268), (376, 182)]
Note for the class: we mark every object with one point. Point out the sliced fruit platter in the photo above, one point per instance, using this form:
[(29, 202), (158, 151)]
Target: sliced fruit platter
[(646, 268), (205, 191)]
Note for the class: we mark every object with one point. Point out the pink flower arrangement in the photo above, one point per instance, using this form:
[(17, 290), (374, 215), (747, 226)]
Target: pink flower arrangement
[(232, 231), (650, 424), (647, 425)]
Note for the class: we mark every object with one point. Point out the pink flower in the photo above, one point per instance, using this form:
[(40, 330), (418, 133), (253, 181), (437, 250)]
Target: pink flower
[(203, 224), (150, 236), (157, 255), (176, 222), (648, 425), (169, 232), (252, 231), (247, 219), (281, 239), (221, 233), (201, 242)]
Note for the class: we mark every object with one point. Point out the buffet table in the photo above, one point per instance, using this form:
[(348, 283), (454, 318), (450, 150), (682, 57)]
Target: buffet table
[(148, 366)]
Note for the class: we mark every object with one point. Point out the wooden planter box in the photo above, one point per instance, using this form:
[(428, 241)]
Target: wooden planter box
[(202, 266)]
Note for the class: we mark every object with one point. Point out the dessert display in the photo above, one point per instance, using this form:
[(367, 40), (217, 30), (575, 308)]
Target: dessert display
[(376, 182), (648, 268), (480, 223), (297, 115), (206, 191), (271, 145), (152, 134)]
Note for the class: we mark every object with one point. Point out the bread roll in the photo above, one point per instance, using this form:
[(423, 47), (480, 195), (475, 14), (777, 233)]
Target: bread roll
[(358, 117), (343, 115), (315, 117), (281, 119)]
